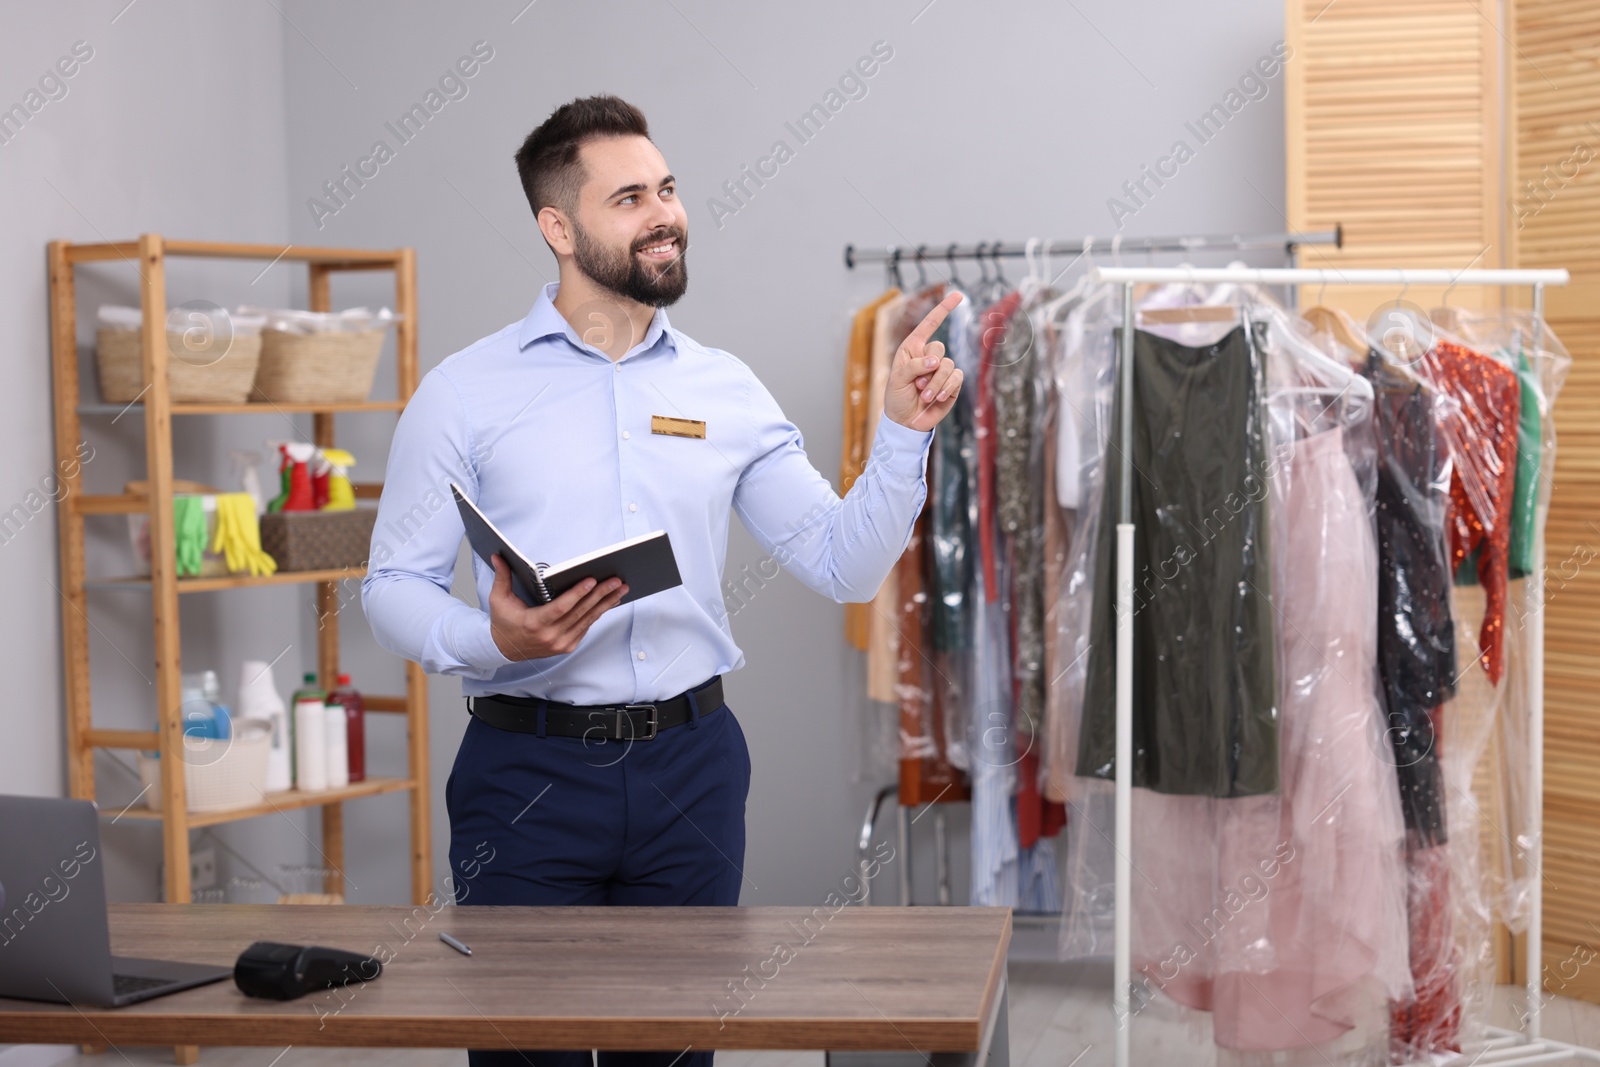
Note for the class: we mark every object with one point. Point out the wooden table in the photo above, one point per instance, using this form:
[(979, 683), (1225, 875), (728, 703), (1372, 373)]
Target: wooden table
[(886, 979)]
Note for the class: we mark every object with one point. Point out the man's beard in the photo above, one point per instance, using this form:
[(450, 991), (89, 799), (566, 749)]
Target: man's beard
[(628, 276)]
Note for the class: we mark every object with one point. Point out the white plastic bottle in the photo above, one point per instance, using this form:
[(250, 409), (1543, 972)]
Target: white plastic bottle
[(310, 744), (259, 699), (337, 746)]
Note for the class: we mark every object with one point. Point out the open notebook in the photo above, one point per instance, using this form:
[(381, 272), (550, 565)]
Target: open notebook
[(644, 563)]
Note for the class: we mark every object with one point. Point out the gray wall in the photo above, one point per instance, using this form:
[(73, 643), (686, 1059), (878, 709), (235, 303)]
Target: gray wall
[(171, 127), (991, 121)]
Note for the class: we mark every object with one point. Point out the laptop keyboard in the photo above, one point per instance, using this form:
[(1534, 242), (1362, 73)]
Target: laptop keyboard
[(123, 984)]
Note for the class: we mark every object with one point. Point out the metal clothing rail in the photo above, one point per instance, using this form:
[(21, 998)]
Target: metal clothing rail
[(1327, 276), (894, 255), (1535, 1050)]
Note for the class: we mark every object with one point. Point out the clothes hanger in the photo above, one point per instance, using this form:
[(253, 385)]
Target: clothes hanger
[(1323, 319), (1341, 326), (998, 286), (1030, 281), (1192, 313), (1335, 376), (1476, 331), (1337, 323), (950, 260), (1213, 311), (1079, 289), (922, 275), (1398, 341), (1141, 291), (999, 268), (1256, 305), (1034, 283), (1444, 315), (1332, 387)]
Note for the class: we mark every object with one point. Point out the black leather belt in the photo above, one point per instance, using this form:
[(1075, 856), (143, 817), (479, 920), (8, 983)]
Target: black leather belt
[(610, 722)]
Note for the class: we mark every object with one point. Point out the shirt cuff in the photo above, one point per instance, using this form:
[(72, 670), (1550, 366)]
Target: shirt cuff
[(477, 648), (900, 449)]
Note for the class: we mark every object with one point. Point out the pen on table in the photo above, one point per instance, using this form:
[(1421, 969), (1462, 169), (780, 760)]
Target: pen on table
[(457, 945)]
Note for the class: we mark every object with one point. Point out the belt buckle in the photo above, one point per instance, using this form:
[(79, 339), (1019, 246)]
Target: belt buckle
[(650, 720)]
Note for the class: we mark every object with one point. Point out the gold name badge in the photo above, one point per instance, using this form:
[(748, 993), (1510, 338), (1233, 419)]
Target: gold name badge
[(677, 427)]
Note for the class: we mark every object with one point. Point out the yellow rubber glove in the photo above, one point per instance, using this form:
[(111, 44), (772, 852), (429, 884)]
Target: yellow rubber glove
[(238, 535)]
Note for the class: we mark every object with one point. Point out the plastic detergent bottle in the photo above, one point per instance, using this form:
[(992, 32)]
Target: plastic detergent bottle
[(310, 737), (354, 707)]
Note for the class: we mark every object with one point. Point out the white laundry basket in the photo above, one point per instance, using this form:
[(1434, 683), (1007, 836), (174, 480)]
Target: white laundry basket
[(218, 775)]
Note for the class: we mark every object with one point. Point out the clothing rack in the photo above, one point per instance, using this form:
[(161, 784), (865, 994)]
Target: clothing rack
[(1287, 243), (1507, 1047), (892, 256)]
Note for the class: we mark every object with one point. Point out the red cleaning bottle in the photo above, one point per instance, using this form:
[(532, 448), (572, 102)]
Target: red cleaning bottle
[(320, 469), (355, 709), (299, 487)]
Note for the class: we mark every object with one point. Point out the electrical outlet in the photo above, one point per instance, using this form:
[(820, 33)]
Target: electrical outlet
[(203, 868)]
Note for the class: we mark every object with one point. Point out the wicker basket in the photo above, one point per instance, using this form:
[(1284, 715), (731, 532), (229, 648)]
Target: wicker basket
[(317, 368), (217, 775), (318, 540), (191, 378)]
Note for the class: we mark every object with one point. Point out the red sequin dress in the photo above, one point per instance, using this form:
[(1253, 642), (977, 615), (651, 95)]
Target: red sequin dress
[(1483, 441)]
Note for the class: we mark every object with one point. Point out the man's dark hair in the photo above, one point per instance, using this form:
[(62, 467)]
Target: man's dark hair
[(548, 160)]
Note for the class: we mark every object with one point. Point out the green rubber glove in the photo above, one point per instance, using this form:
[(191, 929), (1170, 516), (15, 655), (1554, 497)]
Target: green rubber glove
[(189, 533)]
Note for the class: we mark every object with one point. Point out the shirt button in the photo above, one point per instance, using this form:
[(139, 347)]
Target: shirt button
[(641, 655), (625, 435), (633, 507), (617, 368)]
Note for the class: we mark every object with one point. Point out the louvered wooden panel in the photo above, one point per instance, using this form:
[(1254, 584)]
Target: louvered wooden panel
[(1553, 105), (1393, 133)]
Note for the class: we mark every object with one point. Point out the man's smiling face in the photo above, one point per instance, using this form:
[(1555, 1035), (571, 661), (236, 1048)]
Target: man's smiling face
[(630, 231)]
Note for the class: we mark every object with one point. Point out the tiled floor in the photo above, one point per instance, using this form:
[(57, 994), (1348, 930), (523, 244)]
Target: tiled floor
[(1060, 1017)]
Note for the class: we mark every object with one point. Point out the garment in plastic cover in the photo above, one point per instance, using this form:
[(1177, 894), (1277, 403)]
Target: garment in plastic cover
[(1293, 906), (1541, 363), (953, 503), (1484, 873), (1205, 720), (1416, 632), (991, 723), (1283, 915), (921, 738), (1084, 369), (1454, 466)]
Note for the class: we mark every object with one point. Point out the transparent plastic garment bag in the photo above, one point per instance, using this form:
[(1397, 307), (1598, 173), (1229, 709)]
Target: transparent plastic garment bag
[(1419, 433), (1531, 350), (1085, 368), (1275, 919), (1501, 372)]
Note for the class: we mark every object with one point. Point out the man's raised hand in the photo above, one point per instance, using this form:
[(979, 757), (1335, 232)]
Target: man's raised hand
[(923, 381)]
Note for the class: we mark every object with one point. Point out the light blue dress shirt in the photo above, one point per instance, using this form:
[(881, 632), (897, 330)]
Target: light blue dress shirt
[(552, 440)]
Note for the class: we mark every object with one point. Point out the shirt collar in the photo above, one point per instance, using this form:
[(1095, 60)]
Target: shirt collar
[(545, 321)]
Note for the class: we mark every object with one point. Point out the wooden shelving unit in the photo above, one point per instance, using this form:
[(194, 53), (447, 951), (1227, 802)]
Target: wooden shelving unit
[(163, 586)]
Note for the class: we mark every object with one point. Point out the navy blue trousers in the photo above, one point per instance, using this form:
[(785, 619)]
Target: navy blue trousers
[(554, 820)]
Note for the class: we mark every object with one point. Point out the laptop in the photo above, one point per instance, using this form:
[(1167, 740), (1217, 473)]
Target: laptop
[(55, 942)]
